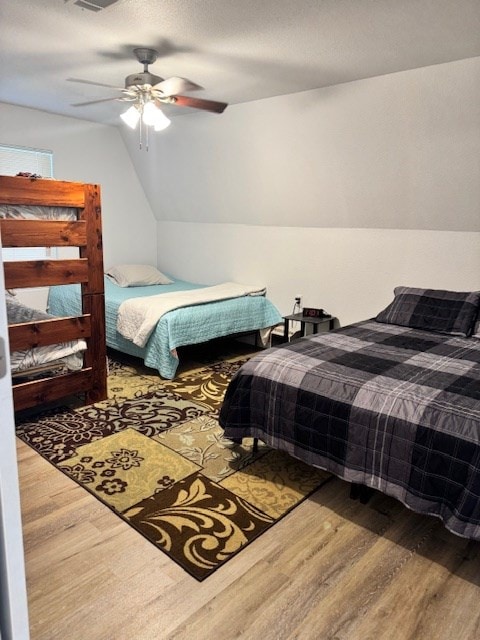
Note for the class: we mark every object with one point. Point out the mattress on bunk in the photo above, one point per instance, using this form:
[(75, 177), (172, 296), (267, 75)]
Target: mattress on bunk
[(67, 354)]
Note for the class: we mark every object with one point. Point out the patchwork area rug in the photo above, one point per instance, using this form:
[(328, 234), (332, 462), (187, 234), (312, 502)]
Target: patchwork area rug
[(155, 454)]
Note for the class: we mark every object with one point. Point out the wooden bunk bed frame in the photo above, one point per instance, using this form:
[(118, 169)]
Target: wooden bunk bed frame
[(87, 269)]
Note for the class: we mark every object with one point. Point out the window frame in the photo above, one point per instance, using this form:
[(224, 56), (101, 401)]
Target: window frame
[(15, 159)]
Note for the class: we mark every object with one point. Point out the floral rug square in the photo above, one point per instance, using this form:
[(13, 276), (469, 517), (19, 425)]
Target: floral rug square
[(126, 467), (201, 441)]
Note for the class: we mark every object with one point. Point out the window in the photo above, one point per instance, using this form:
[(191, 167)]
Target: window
[(39, 161), (16, 159)]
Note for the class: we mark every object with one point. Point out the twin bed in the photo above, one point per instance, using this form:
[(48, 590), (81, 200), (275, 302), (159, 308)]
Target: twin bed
[(392, 403), (185, 325)]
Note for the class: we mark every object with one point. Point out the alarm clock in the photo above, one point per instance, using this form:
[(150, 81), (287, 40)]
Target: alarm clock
[(311, 312)]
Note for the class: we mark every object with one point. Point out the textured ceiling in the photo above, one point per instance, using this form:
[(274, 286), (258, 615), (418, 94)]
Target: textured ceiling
[(238, 50)]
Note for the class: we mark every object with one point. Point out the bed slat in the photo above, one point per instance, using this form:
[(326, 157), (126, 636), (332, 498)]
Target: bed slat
[(43, 233), (27, 335), (43, 273), (17, 190), (37, 392)]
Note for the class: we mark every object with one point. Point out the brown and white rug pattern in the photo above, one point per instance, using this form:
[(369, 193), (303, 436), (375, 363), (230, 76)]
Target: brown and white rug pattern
[(159, 460)]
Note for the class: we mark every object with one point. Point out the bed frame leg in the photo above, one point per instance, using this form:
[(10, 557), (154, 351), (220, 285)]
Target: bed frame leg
[(360, 492), (255, 445), (354, 491)]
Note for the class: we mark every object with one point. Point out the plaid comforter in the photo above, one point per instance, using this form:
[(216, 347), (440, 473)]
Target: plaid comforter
[(393, 408)]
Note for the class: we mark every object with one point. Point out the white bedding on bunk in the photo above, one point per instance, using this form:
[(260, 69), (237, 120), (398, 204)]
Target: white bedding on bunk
[(68, 354)]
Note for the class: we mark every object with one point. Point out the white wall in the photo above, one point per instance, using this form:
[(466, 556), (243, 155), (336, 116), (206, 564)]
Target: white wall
[(399, 151), (349, 272), (88, 152), (339, 193)]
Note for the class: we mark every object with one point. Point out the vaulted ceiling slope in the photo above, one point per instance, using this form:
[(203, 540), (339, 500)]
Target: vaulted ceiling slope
[(238, 51)]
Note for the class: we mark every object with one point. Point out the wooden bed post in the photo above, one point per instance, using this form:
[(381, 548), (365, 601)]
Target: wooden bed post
[(93, 294)]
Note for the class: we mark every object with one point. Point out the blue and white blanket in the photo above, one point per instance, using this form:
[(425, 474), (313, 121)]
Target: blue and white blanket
[(177, 328)]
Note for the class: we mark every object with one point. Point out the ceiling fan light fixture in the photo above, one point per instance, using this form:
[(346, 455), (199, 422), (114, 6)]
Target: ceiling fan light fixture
[(147, 92), (161, 121), (131, 117), (149, 113)]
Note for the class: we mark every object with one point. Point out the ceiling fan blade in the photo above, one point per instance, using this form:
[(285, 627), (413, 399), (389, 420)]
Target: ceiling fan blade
[(95, 84), (84, 104), (175, 84), (198, 103)]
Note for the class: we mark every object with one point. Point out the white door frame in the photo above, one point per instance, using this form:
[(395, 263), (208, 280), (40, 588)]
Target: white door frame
[(13, 593)]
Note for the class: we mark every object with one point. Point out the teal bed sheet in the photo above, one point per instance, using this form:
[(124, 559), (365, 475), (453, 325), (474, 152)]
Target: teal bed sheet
[(181, 327)]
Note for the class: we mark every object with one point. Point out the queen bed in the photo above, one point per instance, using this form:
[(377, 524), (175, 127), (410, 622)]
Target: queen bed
[(391, 403), (186, 325)]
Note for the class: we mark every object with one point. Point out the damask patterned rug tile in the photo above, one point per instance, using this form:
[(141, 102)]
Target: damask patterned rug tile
[(206, 385), (204, 372), (201, 441), (160, 462), (57, 434)]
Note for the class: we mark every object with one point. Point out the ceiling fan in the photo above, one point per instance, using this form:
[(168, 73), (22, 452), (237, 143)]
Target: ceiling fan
[(146, 88)]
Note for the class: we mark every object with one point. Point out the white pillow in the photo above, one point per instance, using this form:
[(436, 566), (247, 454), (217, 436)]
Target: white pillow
[(136, 275)]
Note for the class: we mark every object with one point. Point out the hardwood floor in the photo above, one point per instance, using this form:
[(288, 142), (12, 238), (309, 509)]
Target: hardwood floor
[(332, 569)]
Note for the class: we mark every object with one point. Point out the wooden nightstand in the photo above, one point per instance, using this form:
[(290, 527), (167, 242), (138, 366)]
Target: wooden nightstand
[(299, 317)]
